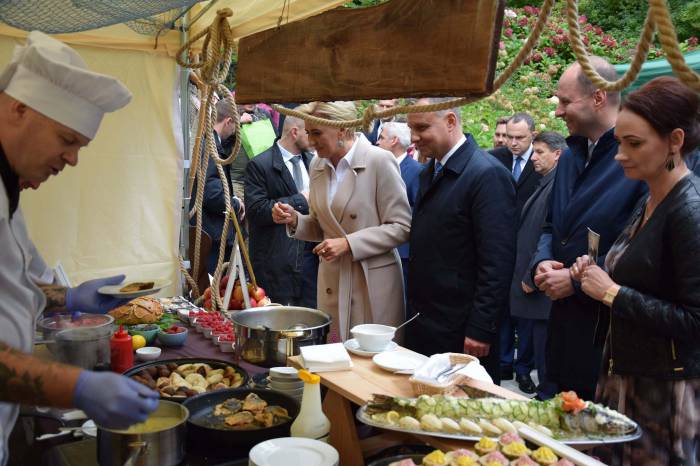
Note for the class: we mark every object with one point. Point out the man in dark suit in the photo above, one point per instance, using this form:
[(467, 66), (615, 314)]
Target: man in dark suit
[(396, 137), (499, 134), (516, 157), (383, 104), (462, 242), (529, 307), (284, 266), (590, 191), (214, 203)]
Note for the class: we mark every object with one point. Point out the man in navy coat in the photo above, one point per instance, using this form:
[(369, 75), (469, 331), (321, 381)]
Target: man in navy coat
[(462, 242), (383, 104), (590, 191), (396, 137)]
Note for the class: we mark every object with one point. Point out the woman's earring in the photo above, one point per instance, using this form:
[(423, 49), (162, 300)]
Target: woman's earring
[(341, 143), (670, 164)]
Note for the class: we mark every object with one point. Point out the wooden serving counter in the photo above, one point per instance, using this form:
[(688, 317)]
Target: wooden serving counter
[(357, 385)]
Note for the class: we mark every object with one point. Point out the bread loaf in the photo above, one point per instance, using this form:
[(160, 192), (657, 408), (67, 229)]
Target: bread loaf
[(142, 310)]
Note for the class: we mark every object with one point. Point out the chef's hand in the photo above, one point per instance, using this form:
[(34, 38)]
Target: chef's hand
[(284, 214), (476, 348), (113, 401), (332, 249), (85, 298), (554, 280)]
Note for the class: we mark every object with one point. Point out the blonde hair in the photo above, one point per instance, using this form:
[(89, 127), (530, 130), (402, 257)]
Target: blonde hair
[(337, 111)]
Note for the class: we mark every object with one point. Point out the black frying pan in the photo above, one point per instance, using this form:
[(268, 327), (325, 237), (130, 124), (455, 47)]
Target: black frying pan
[(204, 435)]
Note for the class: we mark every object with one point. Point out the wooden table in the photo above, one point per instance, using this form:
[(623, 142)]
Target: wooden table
[(357, 385)]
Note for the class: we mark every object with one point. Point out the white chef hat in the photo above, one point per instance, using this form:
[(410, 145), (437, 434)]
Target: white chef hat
[(50, 77)]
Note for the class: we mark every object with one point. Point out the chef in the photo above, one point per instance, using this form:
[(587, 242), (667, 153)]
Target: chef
[(50, 107)]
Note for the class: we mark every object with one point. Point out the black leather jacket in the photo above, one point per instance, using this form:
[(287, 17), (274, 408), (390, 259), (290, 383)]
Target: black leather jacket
[(655, 320)]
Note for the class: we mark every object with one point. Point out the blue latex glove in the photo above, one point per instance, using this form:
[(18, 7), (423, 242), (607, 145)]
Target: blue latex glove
[(85, 298), (113, 401)]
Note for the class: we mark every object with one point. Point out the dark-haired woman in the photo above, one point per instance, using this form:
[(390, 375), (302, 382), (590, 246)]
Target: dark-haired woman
[(652, 283)]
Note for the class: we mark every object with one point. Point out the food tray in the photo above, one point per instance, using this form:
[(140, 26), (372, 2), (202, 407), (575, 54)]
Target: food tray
[(578, 441), (214, 363)]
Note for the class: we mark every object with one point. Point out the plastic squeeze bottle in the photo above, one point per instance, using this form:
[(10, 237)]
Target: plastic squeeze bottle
[(122, 356), (311, 422)]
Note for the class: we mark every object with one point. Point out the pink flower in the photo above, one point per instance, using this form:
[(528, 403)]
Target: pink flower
[(693, 41), (508, 32), (582, 19), (560, 31), (586, 41), (501, 45), (506, 23), (556, 40), (528, 9), (522, 22), (536, 57), (587, 28), (625, 43), (549, 51), (598, 30)]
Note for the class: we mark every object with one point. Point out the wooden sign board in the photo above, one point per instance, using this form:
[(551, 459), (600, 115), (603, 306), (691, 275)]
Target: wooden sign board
[(402, 48)]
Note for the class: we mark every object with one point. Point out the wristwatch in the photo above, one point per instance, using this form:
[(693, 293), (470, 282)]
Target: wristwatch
[(610, 295)]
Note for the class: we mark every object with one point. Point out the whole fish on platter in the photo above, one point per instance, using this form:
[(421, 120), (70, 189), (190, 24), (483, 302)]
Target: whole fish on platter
[(564, 416)]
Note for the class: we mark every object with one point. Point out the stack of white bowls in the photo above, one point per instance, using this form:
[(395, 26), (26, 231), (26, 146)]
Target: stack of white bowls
[(286, 380)]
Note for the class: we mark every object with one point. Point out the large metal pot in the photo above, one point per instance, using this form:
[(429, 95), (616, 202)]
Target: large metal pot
[(139, 447), (266, 336), (83, 342)]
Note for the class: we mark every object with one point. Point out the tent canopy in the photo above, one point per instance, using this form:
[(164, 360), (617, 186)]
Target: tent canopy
[(655, 68)]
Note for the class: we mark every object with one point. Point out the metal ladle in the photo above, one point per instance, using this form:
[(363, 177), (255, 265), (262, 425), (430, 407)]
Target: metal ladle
[(409, 320)]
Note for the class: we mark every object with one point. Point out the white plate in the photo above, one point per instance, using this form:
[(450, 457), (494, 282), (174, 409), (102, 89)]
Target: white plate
[(113, 290), (354, 347), (293, 451), (399, 360)]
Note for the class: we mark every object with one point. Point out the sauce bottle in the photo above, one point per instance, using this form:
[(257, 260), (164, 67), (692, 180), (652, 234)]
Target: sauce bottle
[(311, 422), (122, 356)]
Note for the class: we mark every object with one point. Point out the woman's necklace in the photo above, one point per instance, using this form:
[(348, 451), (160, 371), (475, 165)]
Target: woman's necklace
[(648, 210)]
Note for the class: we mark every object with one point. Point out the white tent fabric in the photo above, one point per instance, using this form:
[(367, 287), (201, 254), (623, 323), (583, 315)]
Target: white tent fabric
[(119, 210)]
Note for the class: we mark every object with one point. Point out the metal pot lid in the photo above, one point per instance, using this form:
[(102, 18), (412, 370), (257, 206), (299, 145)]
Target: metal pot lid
[(85, 321), (281, 318)]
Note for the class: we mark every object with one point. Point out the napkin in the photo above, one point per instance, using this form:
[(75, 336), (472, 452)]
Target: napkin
[(325, 358), (428, 372)]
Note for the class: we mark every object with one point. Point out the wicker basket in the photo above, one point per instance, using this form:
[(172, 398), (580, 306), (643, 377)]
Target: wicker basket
[(449, 385)]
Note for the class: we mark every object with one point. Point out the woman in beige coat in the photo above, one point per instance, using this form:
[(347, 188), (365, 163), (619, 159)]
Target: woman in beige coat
[(359, 213)]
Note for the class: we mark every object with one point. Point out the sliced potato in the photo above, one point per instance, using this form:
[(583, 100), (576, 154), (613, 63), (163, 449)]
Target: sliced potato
[(408, 422), (449, 425), (489, 428), (196, 379), (470, 427)]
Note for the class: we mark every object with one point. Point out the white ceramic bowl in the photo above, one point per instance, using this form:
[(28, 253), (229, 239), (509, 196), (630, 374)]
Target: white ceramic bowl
[(148, 353), (373, 337)]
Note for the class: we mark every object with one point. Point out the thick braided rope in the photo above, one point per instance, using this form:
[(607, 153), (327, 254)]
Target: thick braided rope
[(196, 147), (583, 58), (371, 113), (669, 42), (188, 277)]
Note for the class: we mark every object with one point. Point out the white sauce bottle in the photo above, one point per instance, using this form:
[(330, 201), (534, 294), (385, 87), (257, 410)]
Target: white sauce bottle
[(311, 422)]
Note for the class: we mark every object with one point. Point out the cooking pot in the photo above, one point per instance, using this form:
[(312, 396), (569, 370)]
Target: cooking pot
[(83, 342), (142, 446), (266, 336)]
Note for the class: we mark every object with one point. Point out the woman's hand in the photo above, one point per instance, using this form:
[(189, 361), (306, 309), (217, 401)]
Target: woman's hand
[(332, 249), (595, 282), (284, 214), (579, 267)]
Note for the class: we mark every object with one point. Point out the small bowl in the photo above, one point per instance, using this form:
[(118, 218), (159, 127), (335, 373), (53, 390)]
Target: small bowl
[(147, 331), (148, 353), (284, 372), (373, 337), (173, 339), (226, 346)]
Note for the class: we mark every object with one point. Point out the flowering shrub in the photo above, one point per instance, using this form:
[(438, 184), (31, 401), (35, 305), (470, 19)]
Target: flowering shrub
[(531, 88)]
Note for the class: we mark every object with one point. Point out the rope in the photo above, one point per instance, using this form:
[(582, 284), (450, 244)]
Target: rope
[(583, 58)]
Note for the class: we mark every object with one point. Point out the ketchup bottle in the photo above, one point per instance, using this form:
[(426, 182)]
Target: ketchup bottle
[(122, 357)]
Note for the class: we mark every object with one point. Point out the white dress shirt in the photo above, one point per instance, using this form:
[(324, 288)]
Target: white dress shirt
[(287, 156), (447, 156), (400, 158), (339, 172)]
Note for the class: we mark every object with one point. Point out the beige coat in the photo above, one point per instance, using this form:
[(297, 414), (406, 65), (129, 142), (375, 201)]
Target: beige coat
[(371, 210)]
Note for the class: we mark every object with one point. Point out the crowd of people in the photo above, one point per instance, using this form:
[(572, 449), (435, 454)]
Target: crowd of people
[(489, 246), (493, 244)]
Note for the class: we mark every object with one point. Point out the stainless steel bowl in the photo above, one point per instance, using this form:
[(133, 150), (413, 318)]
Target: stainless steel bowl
[(83, 342), (266, 336)]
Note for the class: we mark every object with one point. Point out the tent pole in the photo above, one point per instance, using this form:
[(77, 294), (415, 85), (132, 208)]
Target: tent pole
[(185, 119)]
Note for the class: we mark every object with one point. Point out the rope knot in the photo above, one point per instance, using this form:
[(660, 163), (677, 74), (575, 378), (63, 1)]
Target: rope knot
[(224, 12)]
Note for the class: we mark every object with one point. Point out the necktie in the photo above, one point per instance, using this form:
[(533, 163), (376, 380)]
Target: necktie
[(296, 173), (517, 170), (437, 170)]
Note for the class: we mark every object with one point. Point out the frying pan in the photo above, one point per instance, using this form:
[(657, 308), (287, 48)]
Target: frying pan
[(214, 363), (203, 433)]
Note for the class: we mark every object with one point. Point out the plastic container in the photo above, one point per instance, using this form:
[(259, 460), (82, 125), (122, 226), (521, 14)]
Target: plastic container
[(121, 350), (311, 421)]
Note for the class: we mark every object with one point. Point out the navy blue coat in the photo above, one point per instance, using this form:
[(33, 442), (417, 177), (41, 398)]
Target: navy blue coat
[(373, 135), (214, 201), (597, 196), (410, 169), (462, 252)]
